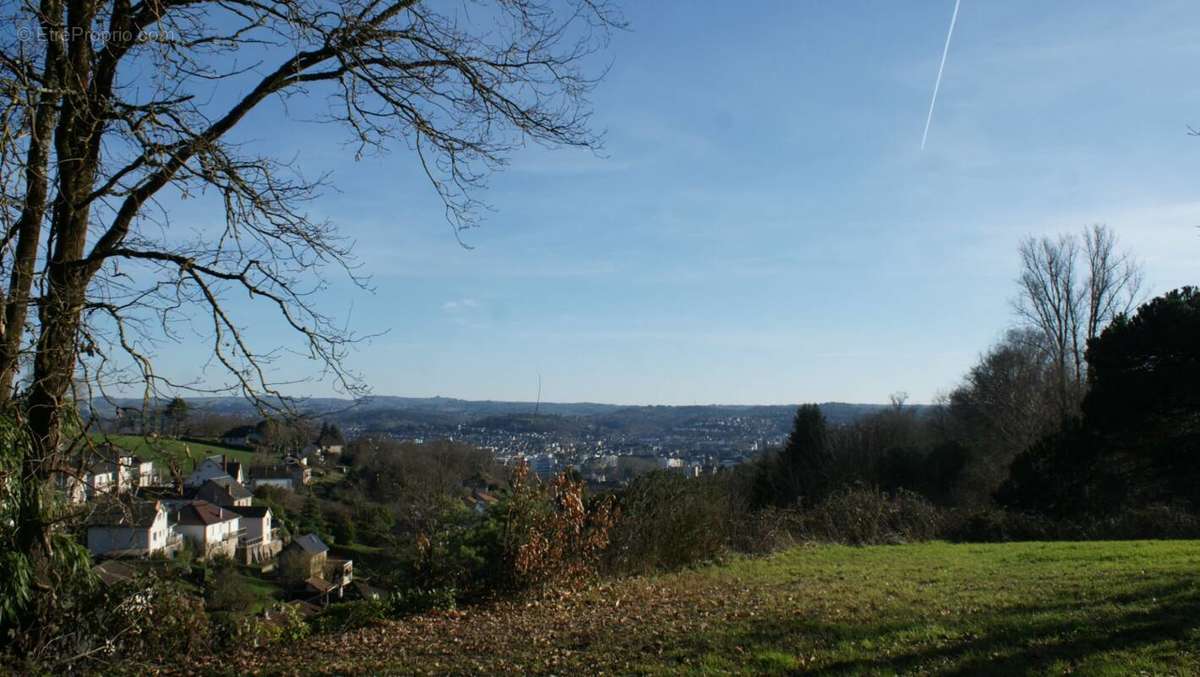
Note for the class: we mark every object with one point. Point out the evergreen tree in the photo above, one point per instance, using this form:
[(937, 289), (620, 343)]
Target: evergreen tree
[(343, 528), (176, 414), (1139, 440), (330, 435), (311, 519), (800, 473)]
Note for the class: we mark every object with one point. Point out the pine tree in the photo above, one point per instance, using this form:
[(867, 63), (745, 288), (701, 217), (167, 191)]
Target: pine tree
[(804, 464), (311, 518)]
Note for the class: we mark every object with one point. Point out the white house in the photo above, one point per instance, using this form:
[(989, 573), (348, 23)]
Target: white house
[(133, 529), (213, 467), (108, 476), (257, 542), (256, 523), (95, 483), (211, 529), (136, 472), (286, 476), (315, 448)]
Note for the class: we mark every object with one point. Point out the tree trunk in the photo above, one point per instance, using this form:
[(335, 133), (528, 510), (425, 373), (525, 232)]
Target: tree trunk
[(33, 208)]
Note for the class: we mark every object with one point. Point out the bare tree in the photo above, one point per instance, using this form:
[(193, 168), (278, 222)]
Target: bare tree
[(1006, 402), (114, 109), (1114, 281), (1068, 293)]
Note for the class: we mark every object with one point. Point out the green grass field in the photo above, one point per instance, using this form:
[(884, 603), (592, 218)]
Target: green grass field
[(1045, 608), (158, 450)]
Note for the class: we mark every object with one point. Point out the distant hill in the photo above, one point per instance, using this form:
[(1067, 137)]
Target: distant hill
[(420, 416)]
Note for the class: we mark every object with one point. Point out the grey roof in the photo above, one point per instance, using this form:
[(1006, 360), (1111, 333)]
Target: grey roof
[(310, 543), (132, 514), (233, 487), (263, 472)]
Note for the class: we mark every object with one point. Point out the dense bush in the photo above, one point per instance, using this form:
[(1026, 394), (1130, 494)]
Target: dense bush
[(1154, 521), (767, 530), (1151, 522), (537, 535), (421, 600), (867, 516), (344, 616), (667, 521), (150, 620), (549, 534), (995, 525)]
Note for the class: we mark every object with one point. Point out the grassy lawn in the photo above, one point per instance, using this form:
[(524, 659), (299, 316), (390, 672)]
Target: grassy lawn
[(160, 449), (267, 592), (1045, 608)]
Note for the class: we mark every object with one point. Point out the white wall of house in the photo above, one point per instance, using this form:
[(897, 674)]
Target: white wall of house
[(144, 474), (205, 471), (128, 540), (99, 483), (103, 540), (255, 528), (281, 482), (212, 539)]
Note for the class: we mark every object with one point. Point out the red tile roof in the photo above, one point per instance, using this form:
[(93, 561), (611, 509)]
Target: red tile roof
[(204, 513)]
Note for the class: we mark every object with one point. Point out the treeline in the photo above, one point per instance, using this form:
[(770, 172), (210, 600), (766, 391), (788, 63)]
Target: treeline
[(1080, 422)]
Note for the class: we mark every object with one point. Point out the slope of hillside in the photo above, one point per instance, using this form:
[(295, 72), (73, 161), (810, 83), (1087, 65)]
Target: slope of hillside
[(1051, 608), (161, 449)]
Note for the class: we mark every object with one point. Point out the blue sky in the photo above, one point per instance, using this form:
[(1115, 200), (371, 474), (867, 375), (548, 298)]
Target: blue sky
[(762, 226)]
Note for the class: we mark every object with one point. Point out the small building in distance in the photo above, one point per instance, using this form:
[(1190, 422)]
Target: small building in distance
[(243, 436), (108, 472), (304, 558), (213, 467), (290, 476), (305, 563)]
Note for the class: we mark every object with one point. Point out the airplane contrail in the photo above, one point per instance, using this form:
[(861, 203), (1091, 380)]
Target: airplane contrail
[(938, 83)]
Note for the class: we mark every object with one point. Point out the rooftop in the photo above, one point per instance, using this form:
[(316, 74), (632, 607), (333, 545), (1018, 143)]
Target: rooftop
[(131, 514), (310, 543), (204, 513)]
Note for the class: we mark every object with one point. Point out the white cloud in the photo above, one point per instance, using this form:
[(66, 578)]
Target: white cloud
[(460, 305)]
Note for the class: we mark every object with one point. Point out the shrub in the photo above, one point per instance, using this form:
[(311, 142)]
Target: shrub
[(995, 525), (151, 620), (536, 536), (767, 530), (350, 615), (667, 521), (866, 516), (550, 534), (421, 600), (228, 591), (457, 553), (1155, 521), (290, 622)]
